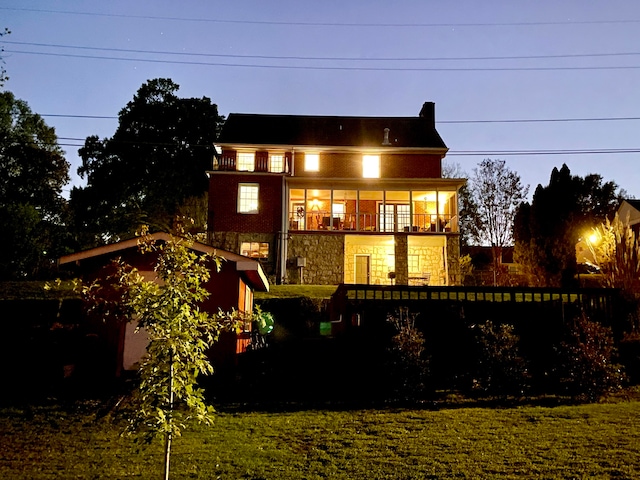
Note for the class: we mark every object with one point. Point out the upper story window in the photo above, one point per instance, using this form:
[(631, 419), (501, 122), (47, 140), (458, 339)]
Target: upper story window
[(276, 163), (371, 166), (311, 162), (246, 162), (248, 197)]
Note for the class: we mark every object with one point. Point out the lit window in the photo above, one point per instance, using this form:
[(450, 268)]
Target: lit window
[(371, 166), (246, 162), (311, 162), (276, 163), (248, 198), (255, 249)]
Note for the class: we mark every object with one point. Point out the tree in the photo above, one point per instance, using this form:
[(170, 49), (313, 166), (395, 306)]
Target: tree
[(497, 191), (180, 334), (153, 167), (469, 222), (3, 72), (547, 230), (33, 171)]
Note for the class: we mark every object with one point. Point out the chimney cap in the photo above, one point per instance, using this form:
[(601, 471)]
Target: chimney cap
[(428, 111)]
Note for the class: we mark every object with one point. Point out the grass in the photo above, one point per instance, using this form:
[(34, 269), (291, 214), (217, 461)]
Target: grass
[(562, 442)]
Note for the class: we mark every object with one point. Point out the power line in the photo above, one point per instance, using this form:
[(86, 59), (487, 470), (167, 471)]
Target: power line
[(333, 24), (316, 67), (349, 59), (486, 153), (521, 120)]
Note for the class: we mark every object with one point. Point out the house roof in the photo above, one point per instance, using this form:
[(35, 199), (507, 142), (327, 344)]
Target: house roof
[(249, 269), (303, 130)]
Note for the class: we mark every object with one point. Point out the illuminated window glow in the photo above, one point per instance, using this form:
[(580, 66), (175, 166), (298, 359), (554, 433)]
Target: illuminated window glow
[(311, 162), (371, 166), (246, 162), (255, 249), (248, 198), (276, 163)]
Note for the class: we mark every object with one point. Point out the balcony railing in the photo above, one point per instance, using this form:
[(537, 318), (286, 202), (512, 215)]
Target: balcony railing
[(372, 222)]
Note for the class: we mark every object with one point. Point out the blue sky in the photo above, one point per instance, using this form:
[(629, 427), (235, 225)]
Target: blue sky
[(573, 59)]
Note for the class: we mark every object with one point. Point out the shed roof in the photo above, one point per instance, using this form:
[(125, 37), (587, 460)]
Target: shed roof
[(249, 268), (331, 131)]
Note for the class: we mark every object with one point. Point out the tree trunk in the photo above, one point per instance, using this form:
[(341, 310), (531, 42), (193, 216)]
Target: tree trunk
[(168, 435)]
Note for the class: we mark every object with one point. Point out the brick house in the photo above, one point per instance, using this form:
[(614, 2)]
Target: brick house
[(330, 200)]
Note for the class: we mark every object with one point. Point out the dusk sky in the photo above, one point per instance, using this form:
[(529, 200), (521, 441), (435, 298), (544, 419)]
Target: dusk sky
[(571, 68)]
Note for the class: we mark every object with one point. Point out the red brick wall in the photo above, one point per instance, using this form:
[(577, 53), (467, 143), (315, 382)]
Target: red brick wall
[(349, 165), (223, 204)]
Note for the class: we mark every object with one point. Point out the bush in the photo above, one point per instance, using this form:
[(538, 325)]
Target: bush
[(500, 368), (586, 367), (409, 368)]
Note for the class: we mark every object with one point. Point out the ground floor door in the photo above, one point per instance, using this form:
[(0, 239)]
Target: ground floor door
[(362, 269)]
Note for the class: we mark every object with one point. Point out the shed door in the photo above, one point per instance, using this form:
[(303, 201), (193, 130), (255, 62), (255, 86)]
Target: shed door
[(362, 269)]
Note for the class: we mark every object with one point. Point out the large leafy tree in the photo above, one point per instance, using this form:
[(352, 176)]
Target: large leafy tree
[(496, 192), (33, 171), (152, 169), (547, 230)]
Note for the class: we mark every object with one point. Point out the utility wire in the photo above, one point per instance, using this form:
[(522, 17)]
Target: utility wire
[(333, 24), (522, 120), (315, 67), (342, 59), (487, 153)]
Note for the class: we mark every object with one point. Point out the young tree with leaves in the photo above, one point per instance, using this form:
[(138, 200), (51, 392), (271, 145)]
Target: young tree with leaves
[(180, 334), (152, 169)]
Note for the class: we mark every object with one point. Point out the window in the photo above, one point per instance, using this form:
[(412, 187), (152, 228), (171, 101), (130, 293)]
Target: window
[(276, 163), (248, 198), (371, 166), (246, 162), (394, 217), (311, 162), (255, 249)]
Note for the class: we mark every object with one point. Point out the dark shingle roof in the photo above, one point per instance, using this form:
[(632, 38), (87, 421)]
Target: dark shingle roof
[(405, 132)]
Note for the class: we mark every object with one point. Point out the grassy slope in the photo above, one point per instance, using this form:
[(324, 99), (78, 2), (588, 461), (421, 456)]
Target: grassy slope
[(587, 441)]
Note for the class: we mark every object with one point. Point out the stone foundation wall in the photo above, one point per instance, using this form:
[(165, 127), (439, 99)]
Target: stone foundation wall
[(324, 256), (453, 260)]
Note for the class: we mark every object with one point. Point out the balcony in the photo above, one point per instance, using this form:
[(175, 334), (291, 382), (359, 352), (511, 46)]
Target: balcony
[(371, 222)]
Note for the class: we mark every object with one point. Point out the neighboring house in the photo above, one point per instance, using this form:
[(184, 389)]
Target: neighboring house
[(330, 200), (230, 288), (629, 214)]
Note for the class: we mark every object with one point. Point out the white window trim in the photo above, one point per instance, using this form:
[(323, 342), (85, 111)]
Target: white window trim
[(243, 202)]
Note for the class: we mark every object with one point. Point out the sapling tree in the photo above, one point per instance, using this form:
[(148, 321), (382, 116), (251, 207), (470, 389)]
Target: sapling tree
[(180, 334)]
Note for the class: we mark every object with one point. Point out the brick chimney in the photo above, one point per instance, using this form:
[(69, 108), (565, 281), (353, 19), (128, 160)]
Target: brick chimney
[(428, 111)]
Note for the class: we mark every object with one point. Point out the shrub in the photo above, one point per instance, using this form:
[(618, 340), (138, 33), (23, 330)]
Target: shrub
[(409, 367), (500, 368), (586, 368)]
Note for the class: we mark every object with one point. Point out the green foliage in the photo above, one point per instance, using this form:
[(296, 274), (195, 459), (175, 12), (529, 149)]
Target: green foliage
[(547, 230), (500, 369), (33, 171), (151, 170), (586, 360), (179, 333), (409, 367)]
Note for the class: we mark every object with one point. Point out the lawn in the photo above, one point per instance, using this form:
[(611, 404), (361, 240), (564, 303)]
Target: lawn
[(584, 441)]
